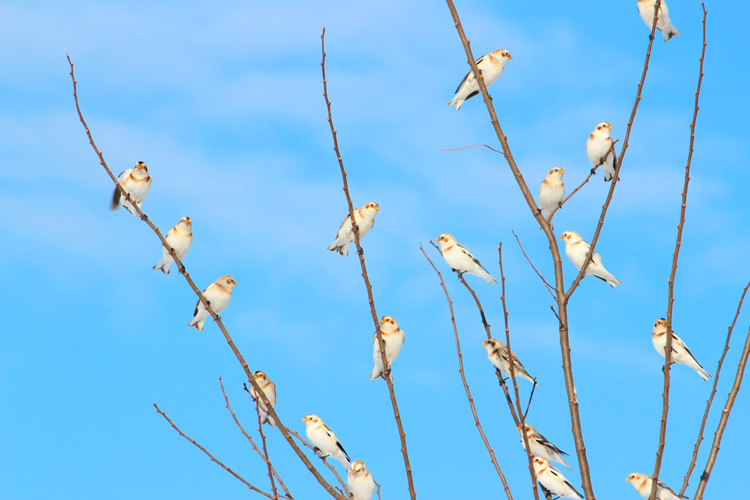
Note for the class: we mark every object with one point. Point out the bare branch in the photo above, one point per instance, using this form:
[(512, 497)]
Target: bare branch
[(549, 287), (473, 146), (326, 462)]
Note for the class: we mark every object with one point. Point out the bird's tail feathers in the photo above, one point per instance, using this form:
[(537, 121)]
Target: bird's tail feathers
[(164, 266), (457, 101), (342, 249)]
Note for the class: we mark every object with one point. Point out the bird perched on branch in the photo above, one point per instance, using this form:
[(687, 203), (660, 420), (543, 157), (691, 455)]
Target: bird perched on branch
[(646, 9), (643, 484), (179, 238), (325, 441), (218, 294), (576, 249), (680, 352), (601, 152), (541, 446), (269, 389), (491, 67), (498, 356), (136, 182), (460, 259), (364, 217), (553, 480), (360, 483), (551, 193), (393, 337)]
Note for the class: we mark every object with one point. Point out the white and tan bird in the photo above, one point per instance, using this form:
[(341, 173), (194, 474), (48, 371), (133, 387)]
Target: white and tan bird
[(460, 259), (325, 441), (269, 389), (553, 480), (646, 9), (491, 67), (497, 353), (541, 446), (360, 482), (600, 150), (136, 182), (364, 217), (680, 352), (551, 193), (576, 249), (394, 337), (643, 484), (218, 294), (179, 238)]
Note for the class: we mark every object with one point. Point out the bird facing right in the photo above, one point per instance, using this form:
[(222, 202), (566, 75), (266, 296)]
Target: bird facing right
[(647, 8), (393, 337), (491, 66), (551, 193), (600, 150), (179, 238), (360, 483), (576, 249), (217, 294), (643, 484), (680, 352), (364, 217)]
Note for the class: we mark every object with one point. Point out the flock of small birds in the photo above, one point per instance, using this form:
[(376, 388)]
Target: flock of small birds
[(600, 150)]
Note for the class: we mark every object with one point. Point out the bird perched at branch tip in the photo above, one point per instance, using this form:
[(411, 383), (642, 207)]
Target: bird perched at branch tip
[(136, 182), (360, 483), (491, 67), (179, 238), (394, 337), (680, 352), (460, 259), (541, 446), (364, 217), (643, 484), (218, 294), (646, 9), (269, 389), (551, 193), (325, 441), (497, 353), (553, 480), (576, 249)]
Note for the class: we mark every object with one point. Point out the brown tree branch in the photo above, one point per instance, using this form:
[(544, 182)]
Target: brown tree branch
[(549, 287), (466, 385), (326, 462), (473, 146), (673, 272), (388, 379), (219, 323)]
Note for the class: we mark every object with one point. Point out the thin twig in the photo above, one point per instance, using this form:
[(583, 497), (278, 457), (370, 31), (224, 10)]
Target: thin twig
[(368, 286), (549, 287), (473, 146), (219, 323), (673, 272), (326, 462), (265, 449), (713, 393), (213, 458), (466, 385)]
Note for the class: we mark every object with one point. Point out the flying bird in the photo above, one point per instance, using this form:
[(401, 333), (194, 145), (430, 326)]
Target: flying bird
[(136, 182), (325, 441), (180, 237), (576, 249), (553, 480), (541, 446), (460, 259), (218, 294), (491, 66), (600, 150), (643, 484), (393, 336), (680, 352), (646, 8), (360, 483), (364, 217), (498, 356), (551, 193), (269, 389)]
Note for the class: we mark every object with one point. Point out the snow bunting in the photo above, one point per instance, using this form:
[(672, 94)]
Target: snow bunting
[(360, 483), (269, 389), (393, 336), (365, 219), (551, 193), (647, 8), (218, 294), (680, 352), (498, 355), (576, 250), (180, 237), (136, 182), (643, 484), (491, 66), (460, 259), (599, 147), (541, 447), (553, 480), (325, 441)]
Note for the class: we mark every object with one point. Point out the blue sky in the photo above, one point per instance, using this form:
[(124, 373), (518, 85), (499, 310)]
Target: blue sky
[(225, 105)]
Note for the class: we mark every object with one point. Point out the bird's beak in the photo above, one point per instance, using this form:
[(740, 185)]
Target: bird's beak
[(304, 419), (510, 56), (562, 171), (609, 127), (561, 236)]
